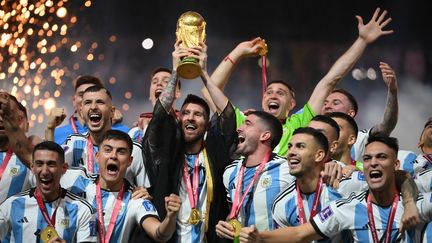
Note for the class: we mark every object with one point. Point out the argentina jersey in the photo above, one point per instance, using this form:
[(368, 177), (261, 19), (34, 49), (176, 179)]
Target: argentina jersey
[(16, 177), (76, 155), (257, 206), (423, 180), (185, 231), (356, 182), (21, 219), (415, 164), (352, 214), (131, 214), (286, 211), (357, 150), (136, 134)]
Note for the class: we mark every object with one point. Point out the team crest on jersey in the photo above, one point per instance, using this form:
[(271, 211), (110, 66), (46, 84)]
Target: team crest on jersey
[(122, 208), (148, 206), (361, 176), (14, 170), (64, 223), (266, 181), (325, 214)]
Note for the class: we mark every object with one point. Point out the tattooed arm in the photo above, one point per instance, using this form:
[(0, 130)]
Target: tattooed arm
[(391, 110), (167, 96)]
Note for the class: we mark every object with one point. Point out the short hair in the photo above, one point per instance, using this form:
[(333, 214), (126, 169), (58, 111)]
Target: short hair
[(88, 79), (428, 122), (278, 81), (193, 99), (350, 98), (94, 89), (51, 146), (326, 119), (271, 123), (318, 136), (19, 105), (118, 135), (352, 123), (391, 142), (163, 69)]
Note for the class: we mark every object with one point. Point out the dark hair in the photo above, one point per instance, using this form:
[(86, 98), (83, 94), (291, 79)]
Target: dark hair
[(51, 146), (319, 137), (271, 123), (88, 79), (350, 98), (352, 123), (391, 142), (329, 121), (94, 89), (278, 81), (19, 105), (428, 122), (118, 135), (163, 69), (199, 101)]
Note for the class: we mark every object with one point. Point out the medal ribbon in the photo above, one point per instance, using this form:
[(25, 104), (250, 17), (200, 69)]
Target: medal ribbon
[(316, 200), (105, 237), (6, 161), (389, 222), (90, 155), (50, 221), (428, 158), (192, 190), (72, 122), (264, 73), (238, 203)]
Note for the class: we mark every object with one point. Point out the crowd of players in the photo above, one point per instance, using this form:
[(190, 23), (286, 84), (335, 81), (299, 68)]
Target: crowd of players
[(243, 176)]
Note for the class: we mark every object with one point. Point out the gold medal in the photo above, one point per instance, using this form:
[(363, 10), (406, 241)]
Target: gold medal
[(48, 233), (194, 217), (236, 226), (264, 48)]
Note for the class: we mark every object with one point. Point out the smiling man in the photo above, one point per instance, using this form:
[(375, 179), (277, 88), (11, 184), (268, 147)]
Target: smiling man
[(80, 150), (369, 215), (278, 98), (47, 212)]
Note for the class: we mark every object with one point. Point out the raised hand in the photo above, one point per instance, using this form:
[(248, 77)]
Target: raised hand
[(374, 28), (55, 118), (248, 48), (172, 205), (178, 53), (389, 76)]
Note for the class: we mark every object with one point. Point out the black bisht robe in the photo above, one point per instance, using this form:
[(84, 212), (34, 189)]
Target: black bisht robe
[(163, 148)]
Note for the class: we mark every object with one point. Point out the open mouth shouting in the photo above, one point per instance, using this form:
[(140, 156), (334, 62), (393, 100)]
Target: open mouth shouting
[(375, 176), (190, 128), (158, 92), (46, 182), (112, 169), (95, 119)]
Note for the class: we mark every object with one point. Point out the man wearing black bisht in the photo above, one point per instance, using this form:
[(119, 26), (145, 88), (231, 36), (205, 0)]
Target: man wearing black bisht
[(188, 156)]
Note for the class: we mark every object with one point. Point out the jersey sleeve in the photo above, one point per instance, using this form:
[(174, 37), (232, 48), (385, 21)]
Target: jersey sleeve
[(423, 181), (142, 209), (355, 183), (425, 206), (333, 219), (407, 160), (87, 229), (229, 179)]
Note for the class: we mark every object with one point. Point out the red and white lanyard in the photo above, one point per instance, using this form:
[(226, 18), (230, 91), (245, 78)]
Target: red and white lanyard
[(237, 203), (316, 201), (389, 222)]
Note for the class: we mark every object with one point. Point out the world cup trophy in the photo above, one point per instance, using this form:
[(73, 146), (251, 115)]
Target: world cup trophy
[(190, 31)]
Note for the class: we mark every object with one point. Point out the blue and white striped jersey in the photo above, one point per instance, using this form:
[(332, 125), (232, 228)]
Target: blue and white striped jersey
[(136, 134), (76, 155), (357, 150), (21, 219), (352, 214), (257, 206), (185, 231), (132, 211), (15, 179), (415, 164), (423, 181)]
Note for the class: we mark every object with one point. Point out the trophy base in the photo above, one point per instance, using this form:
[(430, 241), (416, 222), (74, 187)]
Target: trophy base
[(189, 69)]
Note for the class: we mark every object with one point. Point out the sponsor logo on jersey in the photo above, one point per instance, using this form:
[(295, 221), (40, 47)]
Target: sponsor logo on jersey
[(325, 214), (148, 206), (361, 176)]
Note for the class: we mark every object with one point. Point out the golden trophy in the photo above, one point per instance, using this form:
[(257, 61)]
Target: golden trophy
[(190, 31)]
